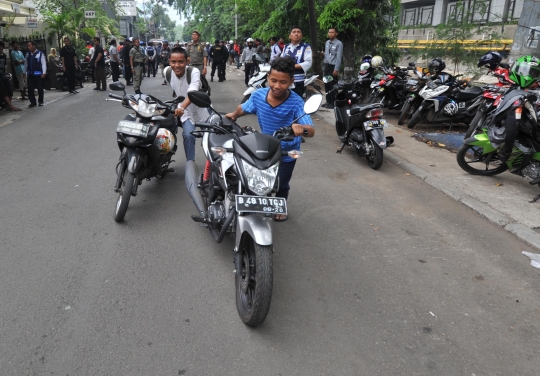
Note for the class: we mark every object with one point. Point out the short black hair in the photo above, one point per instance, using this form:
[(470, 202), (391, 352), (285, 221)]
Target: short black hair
[(296, 27), (112, 42), (275, 39), (97, 39), (33, 43), (179, 50), (333, 27), (283, 64)]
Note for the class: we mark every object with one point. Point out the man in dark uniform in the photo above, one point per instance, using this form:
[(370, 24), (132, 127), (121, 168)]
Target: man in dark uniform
[(225, 58), (70, 64), (216, 53), (128, 75)]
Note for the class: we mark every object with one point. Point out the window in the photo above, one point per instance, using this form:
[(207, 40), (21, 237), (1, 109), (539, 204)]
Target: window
[(417, 16), (479, 9), (514, 9)]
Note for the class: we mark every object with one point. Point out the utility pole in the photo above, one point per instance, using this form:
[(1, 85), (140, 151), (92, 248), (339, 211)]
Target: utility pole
[(235, 21)]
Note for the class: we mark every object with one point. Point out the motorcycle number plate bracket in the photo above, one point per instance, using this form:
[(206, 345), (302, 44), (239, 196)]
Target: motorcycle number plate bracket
[(375, 124), (261, 204), (133, 128)]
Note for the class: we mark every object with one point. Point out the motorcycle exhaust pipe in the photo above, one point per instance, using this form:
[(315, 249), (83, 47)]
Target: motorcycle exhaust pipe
[(191, 185)]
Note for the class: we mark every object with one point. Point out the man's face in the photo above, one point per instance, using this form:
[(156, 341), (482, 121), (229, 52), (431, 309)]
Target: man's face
[(279, 83), (332, 33), (165, 45), (67, 42), (195, 37), (178, 63), (30, 47), (281, 40), (16, 46), (96, 43), (136, 42), (295, 36)]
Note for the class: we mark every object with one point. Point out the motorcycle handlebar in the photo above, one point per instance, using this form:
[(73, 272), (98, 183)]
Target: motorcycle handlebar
[(116, 96)]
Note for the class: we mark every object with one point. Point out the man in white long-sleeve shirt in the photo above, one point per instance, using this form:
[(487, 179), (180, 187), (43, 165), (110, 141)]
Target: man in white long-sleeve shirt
[(301, 53), (188, 113), (35, 69)]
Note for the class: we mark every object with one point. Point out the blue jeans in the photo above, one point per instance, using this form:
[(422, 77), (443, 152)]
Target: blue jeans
[(189, 139), (285, 175)]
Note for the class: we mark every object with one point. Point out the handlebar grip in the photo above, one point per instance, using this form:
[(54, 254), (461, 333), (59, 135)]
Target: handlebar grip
[(116, 96), (204, 125)]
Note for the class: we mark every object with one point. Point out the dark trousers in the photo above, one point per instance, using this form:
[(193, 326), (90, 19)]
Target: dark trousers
[(101, 79), (35, 82), (151, 68), (70, 77), (285, 175), (216, 64), (115, 67), (128, 75), (328, 70), (223, 68), (248, 71), (299, 88)]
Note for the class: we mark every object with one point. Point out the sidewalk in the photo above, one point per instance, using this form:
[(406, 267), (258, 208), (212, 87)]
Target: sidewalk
[(50, 96), (502, 199)]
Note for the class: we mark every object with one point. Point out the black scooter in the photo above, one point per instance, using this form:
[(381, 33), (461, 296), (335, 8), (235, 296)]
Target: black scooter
[(359, 126), (140, 157)]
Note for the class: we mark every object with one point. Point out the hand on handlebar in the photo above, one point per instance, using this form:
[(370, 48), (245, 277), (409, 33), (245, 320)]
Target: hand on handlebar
[(231, 116), (297, 129)]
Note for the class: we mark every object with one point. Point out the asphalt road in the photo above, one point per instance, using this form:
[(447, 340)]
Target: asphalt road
[(375, 272)]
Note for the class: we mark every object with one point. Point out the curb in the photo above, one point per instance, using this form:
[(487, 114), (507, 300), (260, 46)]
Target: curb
[(521, 231)]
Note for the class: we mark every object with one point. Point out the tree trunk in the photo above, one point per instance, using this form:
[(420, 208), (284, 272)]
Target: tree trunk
[(348, 48), (316, 66)]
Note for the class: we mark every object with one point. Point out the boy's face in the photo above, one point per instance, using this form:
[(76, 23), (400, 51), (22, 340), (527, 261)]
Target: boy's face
[(178, 63), (279, 83), (332, 33)]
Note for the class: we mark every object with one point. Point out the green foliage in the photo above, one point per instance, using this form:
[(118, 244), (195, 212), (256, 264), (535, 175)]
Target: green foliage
[(154, 21)]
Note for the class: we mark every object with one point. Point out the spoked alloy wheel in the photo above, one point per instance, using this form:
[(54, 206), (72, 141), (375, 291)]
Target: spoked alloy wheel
[(471, 159), (253, 281), (374, 156), (124, 195)]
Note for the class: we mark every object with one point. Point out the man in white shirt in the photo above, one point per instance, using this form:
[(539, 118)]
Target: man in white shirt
[(188, 113), (275, 51)]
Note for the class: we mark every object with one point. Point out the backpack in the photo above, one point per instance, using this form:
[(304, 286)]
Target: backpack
[(204, 84)]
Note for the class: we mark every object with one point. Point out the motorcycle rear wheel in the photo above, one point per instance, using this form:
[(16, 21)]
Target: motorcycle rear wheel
[(404, 113), (415, 119), (375, 157), (253, 281), (469, 156), (124, 195)]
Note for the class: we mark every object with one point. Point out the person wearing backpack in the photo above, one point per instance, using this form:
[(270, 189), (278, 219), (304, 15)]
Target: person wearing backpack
[(182, 80), (151, 63)]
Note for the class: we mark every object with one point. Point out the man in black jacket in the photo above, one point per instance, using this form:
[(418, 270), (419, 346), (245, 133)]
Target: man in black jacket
[(217, 54), (128, 75)]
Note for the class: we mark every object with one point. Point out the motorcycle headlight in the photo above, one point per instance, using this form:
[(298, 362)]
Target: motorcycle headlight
[(145, 109), (260, 182)]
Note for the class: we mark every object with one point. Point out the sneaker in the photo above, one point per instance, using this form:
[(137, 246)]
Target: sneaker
[(40, 105), (32, 105)]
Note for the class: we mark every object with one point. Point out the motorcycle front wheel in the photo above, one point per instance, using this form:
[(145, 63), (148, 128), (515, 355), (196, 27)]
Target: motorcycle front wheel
[(415, 119), (246, 97), (478, 119), (375, 156), (253, 281), (404, 112), (124, 195), (108, 72), (473, 160)]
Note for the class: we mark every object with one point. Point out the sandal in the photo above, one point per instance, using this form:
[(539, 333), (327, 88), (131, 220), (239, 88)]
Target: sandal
[(280, 217)]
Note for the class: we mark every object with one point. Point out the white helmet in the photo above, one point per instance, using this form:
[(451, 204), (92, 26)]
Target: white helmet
[(249, 40), (164, 141), (231, 42), (364, 67), (376, 61)]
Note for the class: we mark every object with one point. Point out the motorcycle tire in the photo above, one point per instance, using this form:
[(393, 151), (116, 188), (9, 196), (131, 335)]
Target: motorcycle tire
[(108, 73), (124, 195), (404, 113), (253, 281), (246, 97), (415, 119), (375, 158), (478, 119), (466, 165)]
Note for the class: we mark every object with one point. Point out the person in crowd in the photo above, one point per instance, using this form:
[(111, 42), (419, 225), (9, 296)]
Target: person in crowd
[(99, 65), (164, 59), (137, 57), (151, 62), (6, 92), (301, 53), (128, 76), (217, 54), (247, 60), (197, 53), (188, 113), (3, 59), (333, 53), (70, 64), (115, 60), (35, 68), (53, 68), (17, 58), (91, 50), (237, 52), (281, 43), (275, 50), (224, 59), (120, 46), (230, 48), (275, 107), (260, 47), (208, 48)]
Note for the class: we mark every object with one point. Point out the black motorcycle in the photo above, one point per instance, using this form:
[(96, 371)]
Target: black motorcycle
[(360, 126), (412, 91), (145, 152), (389, 93)]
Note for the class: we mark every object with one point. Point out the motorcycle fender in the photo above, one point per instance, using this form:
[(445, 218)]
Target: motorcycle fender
[(259, 228), (480, 139), (134, 161), (377, 135), (249, 90)]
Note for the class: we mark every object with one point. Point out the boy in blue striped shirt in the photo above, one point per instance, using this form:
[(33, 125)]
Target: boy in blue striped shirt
[(276, 107)]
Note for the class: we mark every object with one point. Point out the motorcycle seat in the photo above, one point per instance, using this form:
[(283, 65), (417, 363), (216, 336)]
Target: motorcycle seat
[(367, 107), (469, 94)]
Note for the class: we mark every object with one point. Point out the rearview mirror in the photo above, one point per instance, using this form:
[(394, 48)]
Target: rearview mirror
[(313, 103), (117, 86), (199, 99), (327, 79)]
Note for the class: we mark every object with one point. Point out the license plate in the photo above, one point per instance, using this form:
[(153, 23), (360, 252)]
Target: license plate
[(261, 204), (412, 82), (132, 128), (375, 124)]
